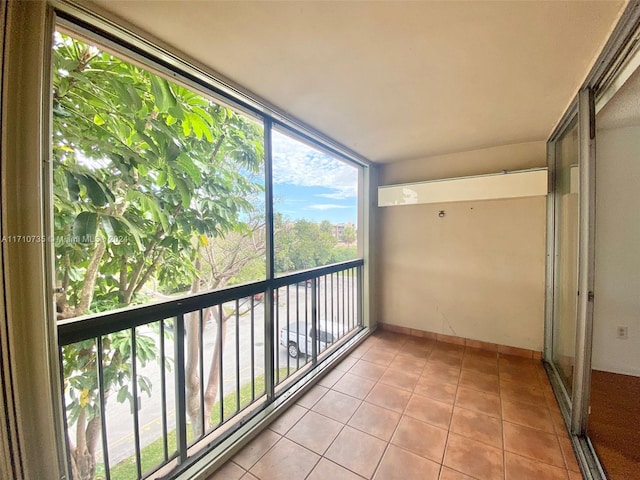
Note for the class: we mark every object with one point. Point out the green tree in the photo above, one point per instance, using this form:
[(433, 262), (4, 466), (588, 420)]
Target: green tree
[(144, 171), (348, 234), (302, 244)]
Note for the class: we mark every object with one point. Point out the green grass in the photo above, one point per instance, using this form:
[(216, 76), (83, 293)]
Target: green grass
[(153, 454)]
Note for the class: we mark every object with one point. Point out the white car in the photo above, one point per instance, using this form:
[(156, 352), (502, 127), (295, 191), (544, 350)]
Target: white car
[(296, 343)]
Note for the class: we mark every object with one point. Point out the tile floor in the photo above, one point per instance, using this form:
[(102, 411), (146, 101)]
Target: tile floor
[(402, 407)]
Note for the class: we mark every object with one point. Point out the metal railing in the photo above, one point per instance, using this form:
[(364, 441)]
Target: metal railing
[(193, 370)]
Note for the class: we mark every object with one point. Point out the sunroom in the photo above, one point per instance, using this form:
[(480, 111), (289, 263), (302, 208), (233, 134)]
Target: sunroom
[(320, 240)]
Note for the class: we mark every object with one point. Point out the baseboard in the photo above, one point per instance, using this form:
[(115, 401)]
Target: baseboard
[(466, 342)]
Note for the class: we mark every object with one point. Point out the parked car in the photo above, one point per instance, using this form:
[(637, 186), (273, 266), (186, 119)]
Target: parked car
[(296, 343)]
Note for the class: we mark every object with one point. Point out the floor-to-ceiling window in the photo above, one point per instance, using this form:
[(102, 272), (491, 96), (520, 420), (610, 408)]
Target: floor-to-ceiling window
[(204, 257)]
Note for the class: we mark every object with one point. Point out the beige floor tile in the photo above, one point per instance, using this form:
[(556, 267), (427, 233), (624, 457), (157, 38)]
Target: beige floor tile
[(473, 458), (448, 474), (309, 399), (379, 356), (430, 411), (356, 451), (250, 454), (315, 432), (389, 397), (354, 386), (446, 359), (409, 363), (534, 416), (432, 388), (368, 370), (288, 419), (441, 373), (421, 438), (327, 470), (477, 426), (229, 471), (479, 381), (399, 464), (517, 392), (532, 443), (330, 379), (521, 468), (346, 364), (482, 402), (374, 420), (569, 455), (405, 380), (286, 460), (337, 405)]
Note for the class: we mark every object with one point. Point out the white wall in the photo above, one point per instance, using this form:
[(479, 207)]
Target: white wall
[(476, 273), (617, 254)]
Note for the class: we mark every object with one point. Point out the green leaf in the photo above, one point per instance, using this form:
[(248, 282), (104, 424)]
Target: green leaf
[(122, 394), (85, 226), (99, 194), (73, 187), (185, 162), (161, 91)]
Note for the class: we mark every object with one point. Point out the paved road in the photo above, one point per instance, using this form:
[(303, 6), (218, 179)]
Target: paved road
[(119, 417)]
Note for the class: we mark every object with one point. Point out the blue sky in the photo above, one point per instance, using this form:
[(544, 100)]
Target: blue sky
[(310, 184)]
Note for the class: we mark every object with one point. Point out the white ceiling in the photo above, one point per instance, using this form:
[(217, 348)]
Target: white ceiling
[(395, 80)]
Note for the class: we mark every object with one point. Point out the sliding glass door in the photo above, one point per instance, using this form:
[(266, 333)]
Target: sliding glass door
[(566, 209)]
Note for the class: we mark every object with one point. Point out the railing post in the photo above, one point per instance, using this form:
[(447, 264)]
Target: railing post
[(314, 321), (359, 286), (269, 347), (181, 401), (103, 414)]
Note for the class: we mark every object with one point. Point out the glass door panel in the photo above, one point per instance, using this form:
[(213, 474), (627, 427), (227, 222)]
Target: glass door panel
[(566, 254), (614, 420)]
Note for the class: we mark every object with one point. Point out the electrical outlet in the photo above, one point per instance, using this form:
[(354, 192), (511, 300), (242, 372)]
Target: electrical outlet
[(623, 333)]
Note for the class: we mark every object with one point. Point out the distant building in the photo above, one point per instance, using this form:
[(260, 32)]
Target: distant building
[(338, 230)]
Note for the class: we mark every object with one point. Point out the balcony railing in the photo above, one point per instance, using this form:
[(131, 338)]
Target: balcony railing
[(163, 383)]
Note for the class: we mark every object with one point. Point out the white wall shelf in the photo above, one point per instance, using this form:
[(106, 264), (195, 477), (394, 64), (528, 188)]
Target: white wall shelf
[(516, 184)]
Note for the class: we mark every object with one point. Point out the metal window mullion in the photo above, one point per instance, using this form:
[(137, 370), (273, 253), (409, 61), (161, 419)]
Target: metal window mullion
[(332, 302), (181, 401), (269, 333), (163, 392), (288, 336), (274, 340), (219, 341), (298, 323), (253, 343), (64, 407), (314, 321), (324, 312), (237, 305), (136, 417), (360, 286), (103, 413), (201, 368)]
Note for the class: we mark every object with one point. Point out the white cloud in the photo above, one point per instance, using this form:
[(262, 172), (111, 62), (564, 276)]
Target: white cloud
[(326, 206), (295, 163)]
